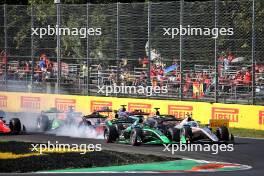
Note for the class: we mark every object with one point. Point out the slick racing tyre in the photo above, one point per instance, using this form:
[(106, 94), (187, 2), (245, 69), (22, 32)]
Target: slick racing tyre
[(43, 123), (119, 128), (222, 133), (136, 137), (84, 123), (173, 134), (15, 126), (110, 134)]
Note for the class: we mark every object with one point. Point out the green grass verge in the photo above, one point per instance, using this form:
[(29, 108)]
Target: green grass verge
[(242, 132)]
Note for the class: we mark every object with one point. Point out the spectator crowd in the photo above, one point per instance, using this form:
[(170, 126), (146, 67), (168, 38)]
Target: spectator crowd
[(196, 82)]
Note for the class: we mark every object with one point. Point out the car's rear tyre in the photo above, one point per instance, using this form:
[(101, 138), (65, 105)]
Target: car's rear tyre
[(119, 128), (173, 134), (15, 126), (110, 134), (223, 133), (43, 123), (84, 123), (136, 137)]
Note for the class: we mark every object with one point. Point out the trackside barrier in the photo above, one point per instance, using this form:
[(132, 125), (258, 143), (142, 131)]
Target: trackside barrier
[(240, 116)]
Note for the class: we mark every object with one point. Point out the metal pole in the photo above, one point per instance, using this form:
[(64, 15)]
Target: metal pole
[(253, 53), (117, 44), (181, 38), (58, 48), (216, 62), (5, 49), (149, 43), (32, 49), (87, 50)]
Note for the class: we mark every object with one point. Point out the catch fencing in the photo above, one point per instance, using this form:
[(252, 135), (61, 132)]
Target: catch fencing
[(218, 57)]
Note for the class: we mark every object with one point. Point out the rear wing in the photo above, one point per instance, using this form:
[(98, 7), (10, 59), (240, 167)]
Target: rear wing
[(214, 123)]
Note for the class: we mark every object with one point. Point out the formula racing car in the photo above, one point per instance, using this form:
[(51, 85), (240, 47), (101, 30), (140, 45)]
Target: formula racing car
[(96, 120), (53, 119), (188, 130), (13, 127), (132, 130), (192, 131)]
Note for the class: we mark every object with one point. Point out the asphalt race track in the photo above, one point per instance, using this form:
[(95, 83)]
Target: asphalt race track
[(246, 151)]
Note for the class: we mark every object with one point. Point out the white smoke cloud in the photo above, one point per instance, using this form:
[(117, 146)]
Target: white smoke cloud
[(75, 131), (29, 120)]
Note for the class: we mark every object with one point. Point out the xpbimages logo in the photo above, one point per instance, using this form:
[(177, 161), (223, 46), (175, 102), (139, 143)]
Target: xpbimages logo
[(148, 90), (82, 32), (197, 31), (58, 147), (213, 148)]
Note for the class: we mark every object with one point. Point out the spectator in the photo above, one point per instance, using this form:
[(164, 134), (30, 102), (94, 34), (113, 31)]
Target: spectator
[(38, 74), (42, 64), (226, 64), (112, 78), (187, 85), (84, 70), (230, 57), (247, 77), (27, 67), (145, 62), (142, 78), (238, 78)]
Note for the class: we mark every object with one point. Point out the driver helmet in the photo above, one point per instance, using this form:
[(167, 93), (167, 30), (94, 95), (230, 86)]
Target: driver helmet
[(151, 123)]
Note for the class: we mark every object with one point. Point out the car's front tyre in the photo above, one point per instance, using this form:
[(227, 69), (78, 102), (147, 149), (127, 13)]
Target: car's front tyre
[(43, 123), (110, 134), (222, 133), (15, 126), (136, 137), (173, 134)]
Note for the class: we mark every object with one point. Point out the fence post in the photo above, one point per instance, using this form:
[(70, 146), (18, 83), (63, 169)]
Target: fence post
[(57, 2), (253, 54), (216, 50), (5, 47), (149, 43), (181, 48), (87, 51), (117, 44), (32, 51)]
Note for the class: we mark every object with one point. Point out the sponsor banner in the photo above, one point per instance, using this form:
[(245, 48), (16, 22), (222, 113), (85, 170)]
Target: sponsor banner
[(180, 111), (30, 103), (3, 101), (230, 114), (140, 106), (240, 116), (63, 104), (261, 117), (98, 105)]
